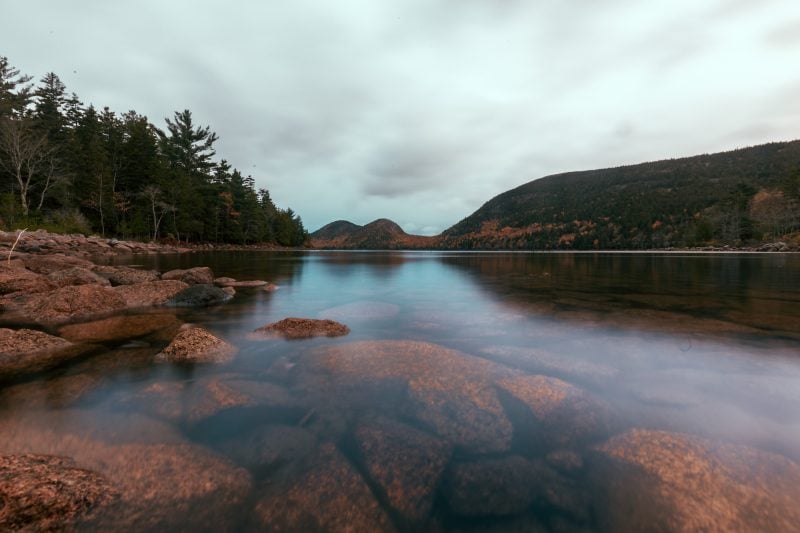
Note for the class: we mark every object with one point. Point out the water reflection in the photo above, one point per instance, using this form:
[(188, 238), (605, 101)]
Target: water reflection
[(516, 391)]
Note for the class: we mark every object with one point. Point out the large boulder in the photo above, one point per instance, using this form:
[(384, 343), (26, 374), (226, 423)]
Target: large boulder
[(299, 328), (15, 278), (27, 351), (121, 275), (191, 276), (68, 303), (405, 463), (150, 293), (329, 496), (561, 415), (448, 391), (47, 264), (163, 483), (49, 493), (199, 296), (76, 276), (193, 344), (660, 481), (118, 328)]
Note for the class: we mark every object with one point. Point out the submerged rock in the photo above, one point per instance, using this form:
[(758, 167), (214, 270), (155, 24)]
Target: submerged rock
[(119, 328), (26, 351), (269, 446), (405, 463), (565, 415), (49, 493), (230, 282), (491, 487), (660, 481), (510, 486), (57, 392), (163, 483), (447, 390), (300, 328), (150, 293), (191, 276), (193, 344), (211, 396), (537, 360), (363, 310), (330, 496), (199, 296)]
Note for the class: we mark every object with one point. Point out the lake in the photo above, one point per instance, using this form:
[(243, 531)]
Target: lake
[(505, 391)]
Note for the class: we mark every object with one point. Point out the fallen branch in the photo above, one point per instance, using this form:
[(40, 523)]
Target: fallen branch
[(11, 251)]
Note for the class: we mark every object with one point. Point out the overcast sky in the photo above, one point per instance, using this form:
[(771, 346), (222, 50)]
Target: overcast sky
[(422, 110)]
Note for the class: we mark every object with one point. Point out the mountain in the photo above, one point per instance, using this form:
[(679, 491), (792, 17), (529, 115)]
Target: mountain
[(381, 234), (744, 196)]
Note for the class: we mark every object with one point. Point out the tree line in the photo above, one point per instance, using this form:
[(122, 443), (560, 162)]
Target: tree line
[(70, 167)]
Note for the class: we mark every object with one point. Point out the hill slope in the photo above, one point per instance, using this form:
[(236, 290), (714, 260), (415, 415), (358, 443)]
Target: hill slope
[(381, 234), (745, 195)]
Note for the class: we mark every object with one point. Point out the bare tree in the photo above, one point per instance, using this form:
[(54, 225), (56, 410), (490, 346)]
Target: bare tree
[(25, 154), (158, 207)]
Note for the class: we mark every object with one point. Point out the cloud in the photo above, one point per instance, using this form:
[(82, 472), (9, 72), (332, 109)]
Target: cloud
[(422, 110)]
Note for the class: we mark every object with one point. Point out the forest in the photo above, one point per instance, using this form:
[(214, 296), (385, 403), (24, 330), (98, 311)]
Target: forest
[(73, 168), (743, 197)]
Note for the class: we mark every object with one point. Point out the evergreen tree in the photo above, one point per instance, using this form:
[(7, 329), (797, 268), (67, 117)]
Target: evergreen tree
[(15, 90)]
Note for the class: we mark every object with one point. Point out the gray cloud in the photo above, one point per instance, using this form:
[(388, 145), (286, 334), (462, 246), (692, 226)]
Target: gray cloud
[(422, 110)]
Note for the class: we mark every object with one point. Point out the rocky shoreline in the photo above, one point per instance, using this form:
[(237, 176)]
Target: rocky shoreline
[(447, 433)]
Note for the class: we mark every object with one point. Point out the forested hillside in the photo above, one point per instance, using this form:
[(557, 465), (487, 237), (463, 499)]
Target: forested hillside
[(736, 198), (71, 167)]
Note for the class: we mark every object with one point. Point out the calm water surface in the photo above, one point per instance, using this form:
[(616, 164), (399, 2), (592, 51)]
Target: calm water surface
[(707, 345)]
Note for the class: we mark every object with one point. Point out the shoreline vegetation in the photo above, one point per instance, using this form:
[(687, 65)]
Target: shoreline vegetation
[(69, 167)]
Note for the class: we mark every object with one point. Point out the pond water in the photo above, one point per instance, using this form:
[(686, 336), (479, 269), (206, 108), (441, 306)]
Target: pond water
[(475, 391)]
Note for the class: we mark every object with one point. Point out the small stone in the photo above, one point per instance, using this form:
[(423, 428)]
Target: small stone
[(300, 328), (196, 345), (191, 276), (199, 296)]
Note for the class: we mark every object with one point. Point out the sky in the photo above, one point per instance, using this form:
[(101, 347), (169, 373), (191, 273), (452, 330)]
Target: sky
[(422, 110)]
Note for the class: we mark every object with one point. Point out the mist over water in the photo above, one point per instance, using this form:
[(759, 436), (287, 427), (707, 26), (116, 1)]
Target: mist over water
[(702, 344)]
